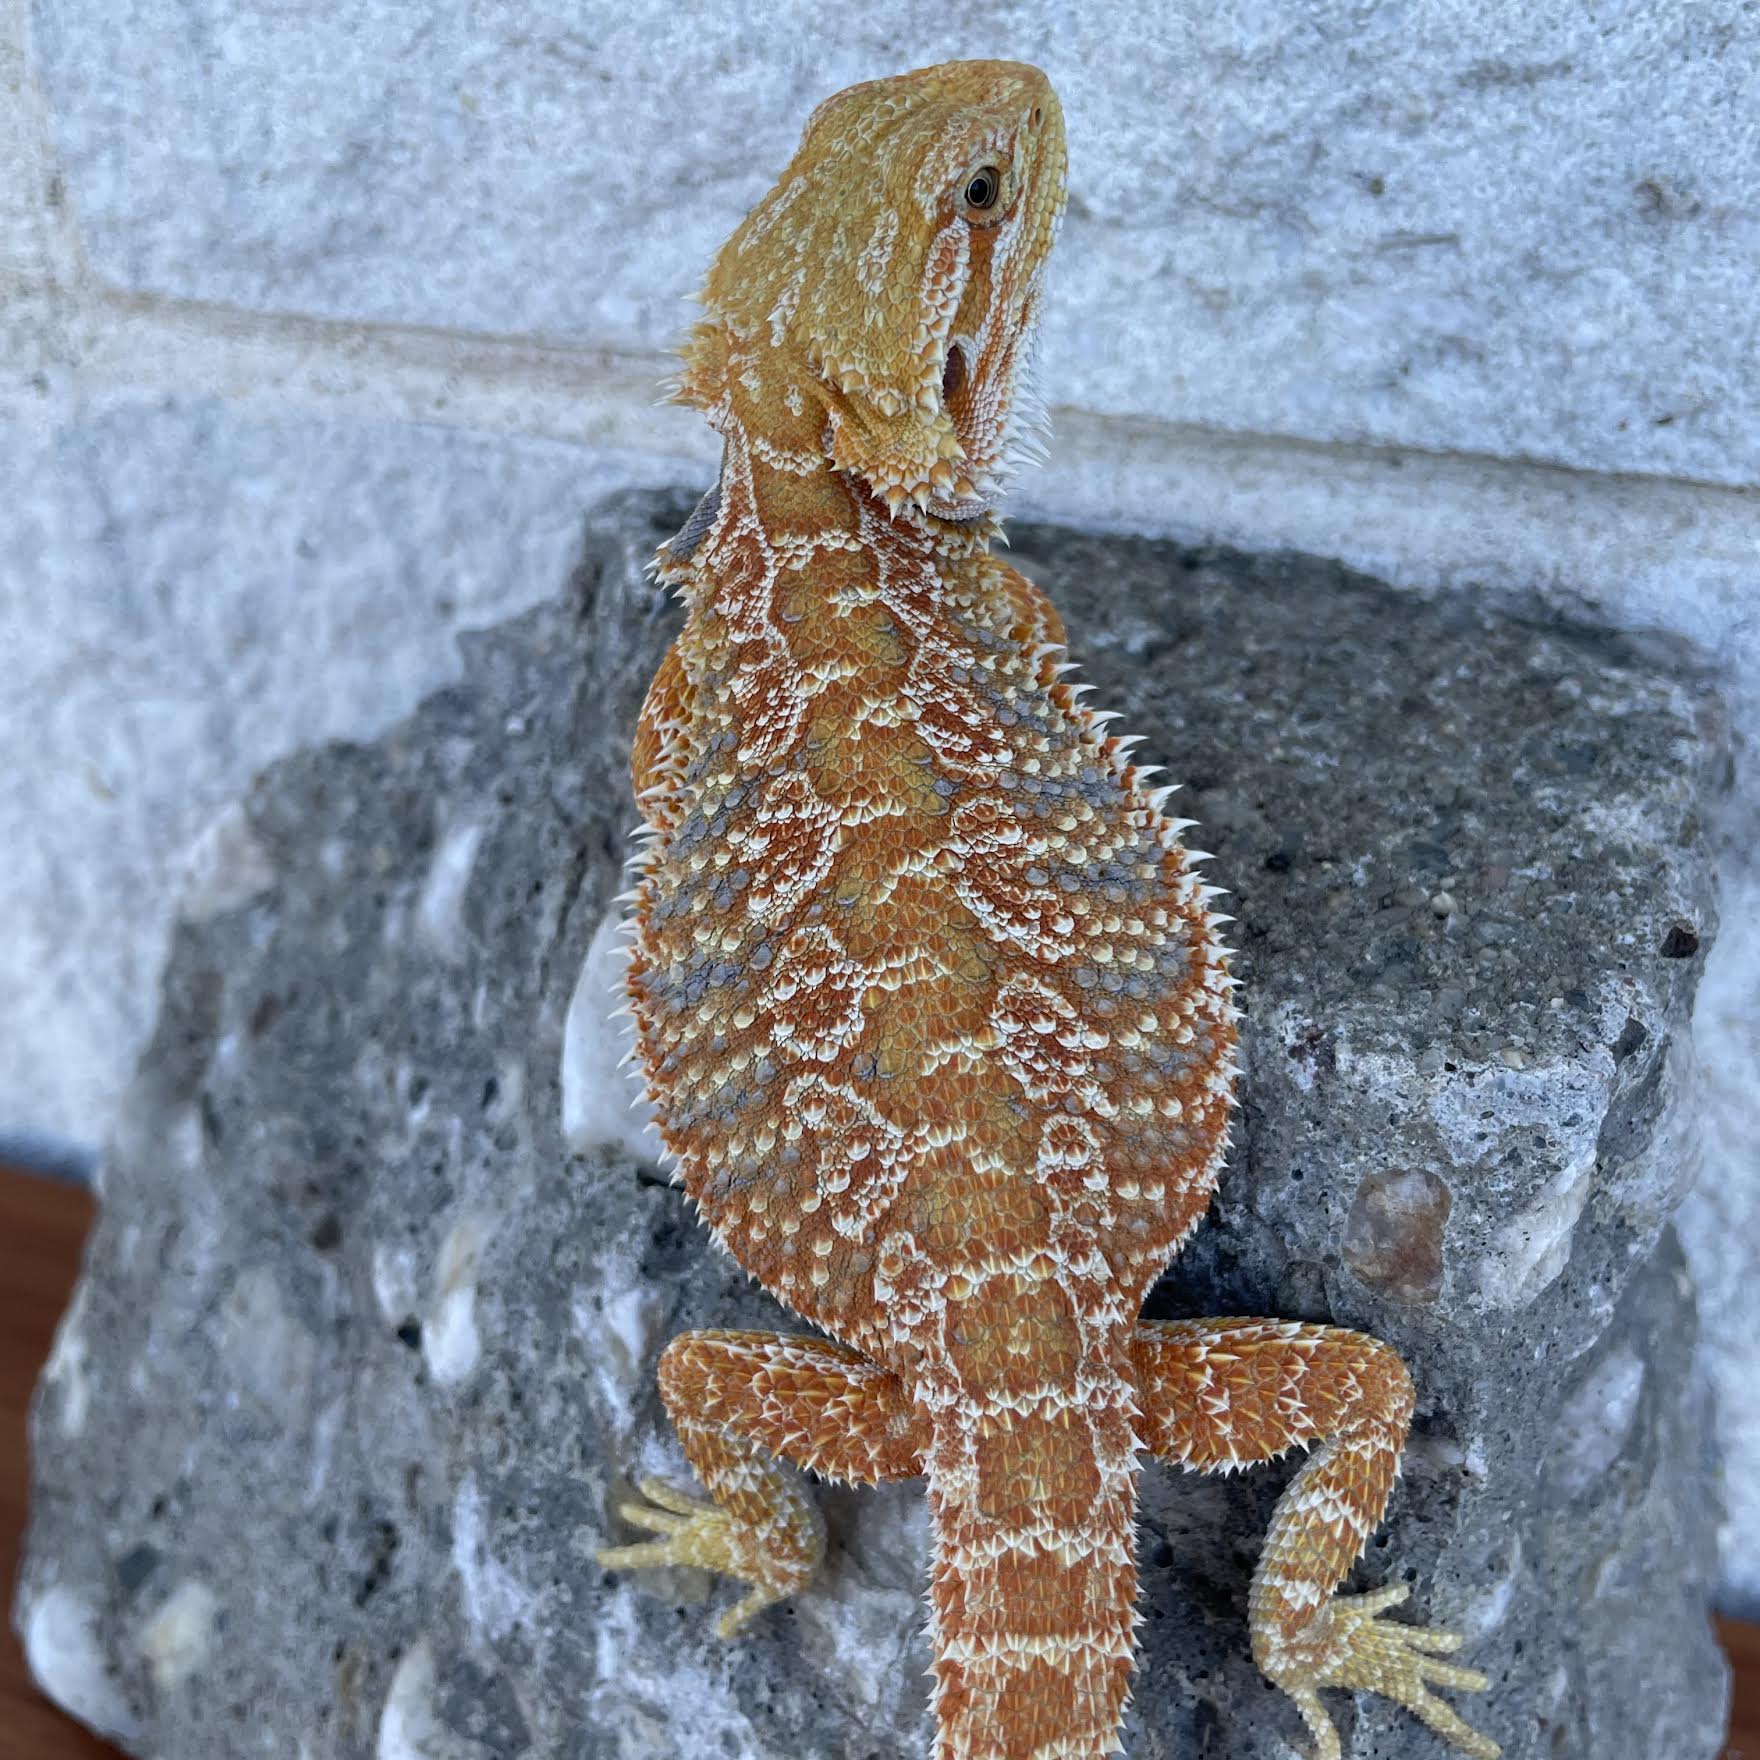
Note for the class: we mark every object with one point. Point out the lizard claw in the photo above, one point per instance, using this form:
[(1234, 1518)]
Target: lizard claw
[(701, 1535), (667, 1510), (1351, 1646)]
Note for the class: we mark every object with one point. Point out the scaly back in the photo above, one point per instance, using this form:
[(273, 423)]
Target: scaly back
[(928, 996), (929, 999)]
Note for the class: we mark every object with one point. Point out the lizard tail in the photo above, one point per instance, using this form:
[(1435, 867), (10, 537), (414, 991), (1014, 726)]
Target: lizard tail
[(1033, 1585)]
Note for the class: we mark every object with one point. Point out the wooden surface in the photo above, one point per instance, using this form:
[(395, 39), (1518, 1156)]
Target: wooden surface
[(42, 1224), (1743, 1644)]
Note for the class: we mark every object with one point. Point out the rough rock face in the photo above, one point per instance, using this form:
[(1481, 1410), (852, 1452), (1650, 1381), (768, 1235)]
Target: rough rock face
[(363, 1353)]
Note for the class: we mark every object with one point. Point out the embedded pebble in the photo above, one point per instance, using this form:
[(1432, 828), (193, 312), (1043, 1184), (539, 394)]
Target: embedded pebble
[(177, 1639)]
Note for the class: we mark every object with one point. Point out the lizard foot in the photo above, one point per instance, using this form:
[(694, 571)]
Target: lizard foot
[(692, 1532), (1351, 1646)]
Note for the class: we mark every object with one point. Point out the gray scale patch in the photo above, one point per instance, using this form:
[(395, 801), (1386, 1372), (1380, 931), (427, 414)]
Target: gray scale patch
[(683, 546), (1099, 789), (689, 834), (729, 1100), (1168, 1058)]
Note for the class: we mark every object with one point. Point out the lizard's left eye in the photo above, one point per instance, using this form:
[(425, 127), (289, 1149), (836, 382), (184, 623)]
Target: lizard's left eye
[(983, 187)]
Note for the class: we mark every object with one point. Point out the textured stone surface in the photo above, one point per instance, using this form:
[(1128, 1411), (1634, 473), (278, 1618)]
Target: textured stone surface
[(1229, 250), (362, 1354), (27, 202), (1720, 1222), (187, 592), (1455, 226)]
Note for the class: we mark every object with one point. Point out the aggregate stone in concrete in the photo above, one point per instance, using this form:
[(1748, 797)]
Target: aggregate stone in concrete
[(1520, 232), (363, 1356)]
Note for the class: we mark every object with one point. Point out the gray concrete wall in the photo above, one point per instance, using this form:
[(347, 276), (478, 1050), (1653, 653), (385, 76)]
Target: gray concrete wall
[(319, 325)]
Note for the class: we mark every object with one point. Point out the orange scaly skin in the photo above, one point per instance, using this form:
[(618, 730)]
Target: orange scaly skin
[(928, 994)]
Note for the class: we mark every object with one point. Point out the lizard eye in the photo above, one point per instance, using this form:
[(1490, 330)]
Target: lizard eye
[(983, 188)]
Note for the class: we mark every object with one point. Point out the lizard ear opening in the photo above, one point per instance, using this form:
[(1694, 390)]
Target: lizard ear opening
[(953, 375)]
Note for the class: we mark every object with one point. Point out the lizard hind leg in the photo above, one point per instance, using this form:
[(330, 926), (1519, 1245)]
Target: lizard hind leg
[(1220, 1394), (742, 1404)]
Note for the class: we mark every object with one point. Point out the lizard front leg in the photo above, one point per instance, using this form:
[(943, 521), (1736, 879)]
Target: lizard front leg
[(739, 1401), (1219, 1394)]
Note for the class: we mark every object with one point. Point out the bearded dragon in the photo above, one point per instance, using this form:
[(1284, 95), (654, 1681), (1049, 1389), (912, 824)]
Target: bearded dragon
[(929, 996)]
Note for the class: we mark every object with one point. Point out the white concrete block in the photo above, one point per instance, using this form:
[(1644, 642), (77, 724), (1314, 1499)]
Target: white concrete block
[(1720, 1222), (1429, 223), (186, 595), (31, 190)]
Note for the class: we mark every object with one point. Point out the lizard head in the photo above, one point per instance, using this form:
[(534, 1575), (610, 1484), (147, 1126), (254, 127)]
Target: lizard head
[(881, 303)]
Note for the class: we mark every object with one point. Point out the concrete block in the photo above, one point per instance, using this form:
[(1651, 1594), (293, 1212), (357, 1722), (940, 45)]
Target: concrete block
[(363, 1357), (1438, 224), (187, 593), (32, 193)]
